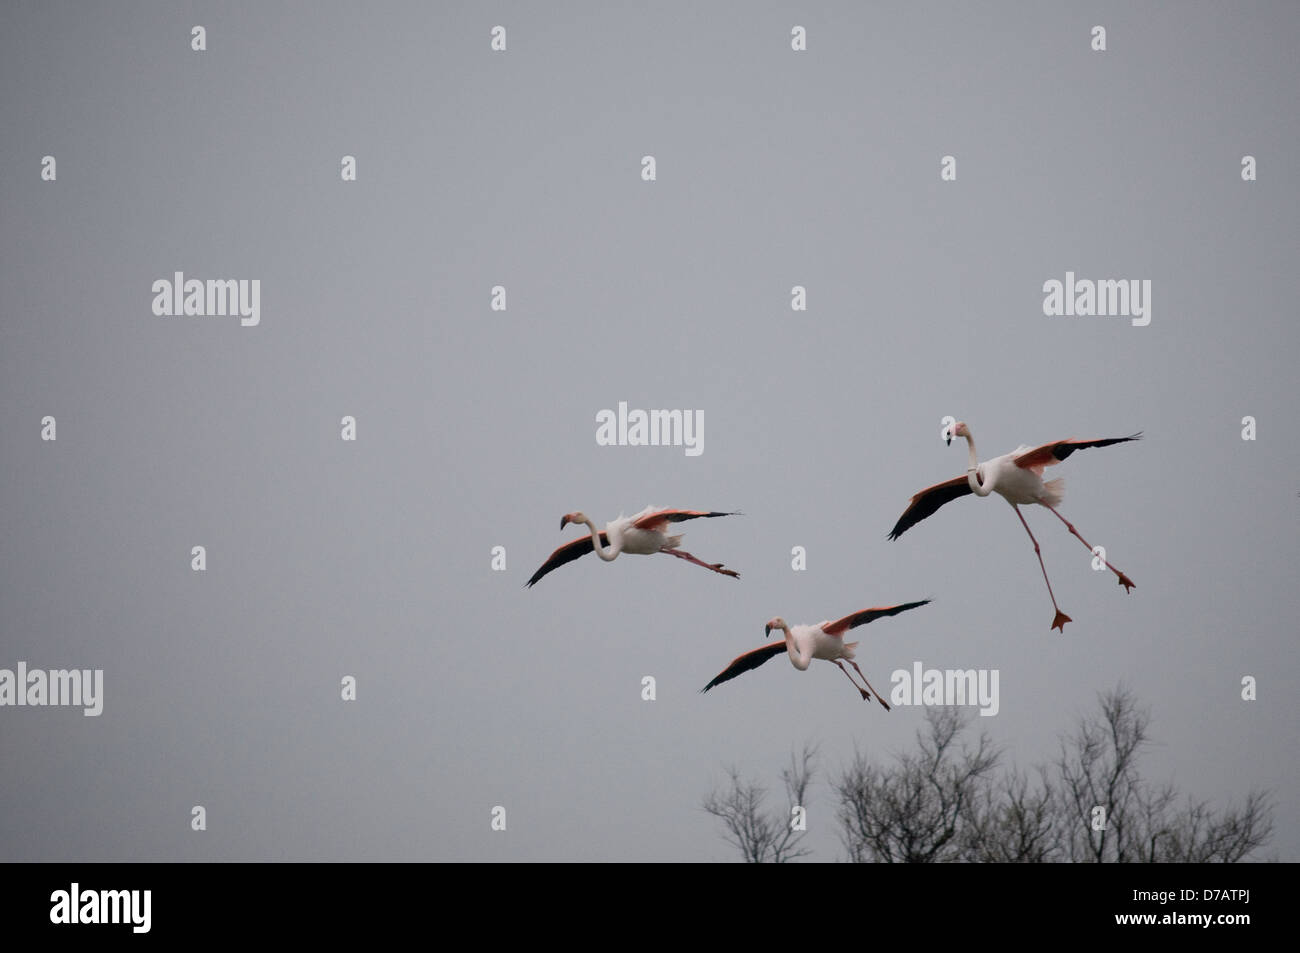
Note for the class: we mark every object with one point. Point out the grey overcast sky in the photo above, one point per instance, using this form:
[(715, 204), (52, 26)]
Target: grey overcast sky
[(476, 428)]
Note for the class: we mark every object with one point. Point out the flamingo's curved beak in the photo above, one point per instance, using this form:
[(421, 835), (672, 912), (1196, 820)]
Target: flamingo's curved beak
[(767, 631), (564, 521), (948, 438)]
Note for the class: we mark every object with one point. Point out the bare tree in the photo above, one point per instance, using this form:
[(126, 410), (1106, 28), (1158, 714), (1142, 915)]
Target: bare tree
[(947, 801), (1102, 808), (760, 837), (916, 811), (1014, 821), (1109, 813), (1201, 836)]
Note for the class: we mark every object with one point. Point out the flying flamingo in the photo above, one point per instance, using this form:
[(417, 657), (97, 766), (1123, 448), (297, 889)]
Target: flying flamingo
[(1018, 476), (803, 643), (644, 533)]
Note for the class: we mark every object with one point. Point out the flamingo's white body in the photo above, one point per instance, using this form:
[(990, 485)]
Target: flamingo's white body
[(1017, 485), (625, 536), (642, 534), (803, 643), (1018, 478)]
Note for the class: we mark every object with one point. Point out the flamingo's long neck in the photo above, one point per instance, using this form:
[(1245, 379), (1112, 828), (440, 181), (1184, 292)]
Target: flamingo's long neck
[(797, 658), (609, 555), (972, 471)]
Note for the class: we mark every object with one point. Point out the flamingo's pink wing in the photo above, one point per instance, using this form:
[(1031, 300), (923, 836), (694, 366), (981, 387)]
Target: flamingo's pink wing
[(928, 501), (750, 660), (1050, 454), (862, 617), (567, 554), (660, 517)]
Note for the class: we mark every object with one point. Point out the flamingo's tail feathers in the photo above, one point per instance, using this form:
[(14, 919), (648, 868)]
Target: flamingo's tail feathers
[(849, 647), (675, 541), (1054, 491)]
